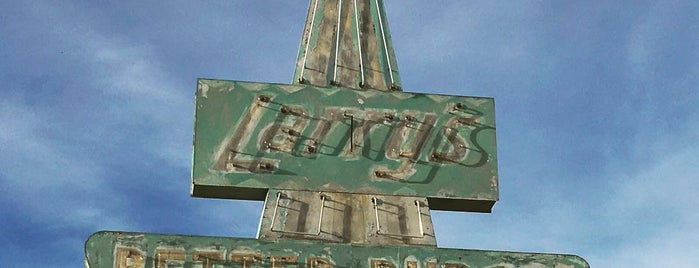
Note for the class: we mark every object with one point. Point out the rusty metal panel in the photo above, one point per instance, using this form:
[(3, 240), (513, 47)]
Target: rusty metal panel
[(250, 137), (140, 250), (347, 43)]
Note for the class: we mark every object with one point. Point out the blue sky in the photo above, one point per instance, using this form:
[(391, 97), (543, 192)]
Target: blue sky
[(597, 113)]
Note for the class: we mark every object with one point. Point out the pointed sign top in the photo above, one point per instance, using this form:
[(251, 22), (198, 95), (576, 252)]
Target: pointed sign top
[(347, 43)]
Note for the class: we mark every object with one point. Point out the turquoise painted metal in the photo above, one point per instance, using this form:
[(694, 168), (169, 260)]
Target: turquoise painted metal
[(251, 137), (140, 250)]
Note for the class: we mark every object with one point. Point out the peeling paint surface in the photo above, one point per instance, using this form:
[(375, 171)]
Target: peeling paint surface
[(138, 250), (347, 43), (262, 136)]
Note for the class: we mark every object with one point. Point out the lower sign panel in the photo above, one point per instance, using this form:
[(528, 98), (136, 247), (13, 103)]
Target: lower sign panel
[(250, 137), (139, 250)]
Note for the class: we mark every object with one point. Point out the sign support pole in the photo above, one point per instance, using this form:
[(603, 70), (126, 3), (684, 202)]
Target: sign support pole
[(339, 33)]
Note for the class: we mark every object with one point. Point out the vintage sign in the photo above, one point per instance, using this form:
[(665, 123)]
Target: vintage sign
[(140, 250), (250, 137)]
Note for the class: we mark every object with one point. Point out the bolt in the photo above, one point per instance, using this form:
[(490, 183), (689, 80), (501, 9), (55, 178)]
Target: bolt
[(285, 109), (389, 117), (266, 166), (311, 149), (291, 132), (263, 98), (380, 174)]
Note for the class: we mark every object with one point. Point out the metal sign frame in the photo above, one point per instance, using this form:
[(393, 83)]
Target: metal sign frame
[(140, 250), (250, 137)]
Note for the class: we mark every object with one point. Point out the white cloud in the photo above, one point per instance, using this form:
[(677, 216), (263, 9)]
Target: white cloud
[(653, 209), (129, 73), (41, 169), (458, 33), (676, 247), (38, 175), (26, 150)]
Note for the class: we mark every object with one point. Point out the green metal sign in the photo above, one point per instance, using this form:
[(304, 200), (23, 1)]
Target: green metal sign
[(140, 250), (250, 137)]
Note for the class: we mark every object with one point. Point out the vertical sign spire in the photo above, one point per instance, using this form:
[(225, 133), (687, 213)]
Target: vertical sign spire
[(334, 183), (347, 43)]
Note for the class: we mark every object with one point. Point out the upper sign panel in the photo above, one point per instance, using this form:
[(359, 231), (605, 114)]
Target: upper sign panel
[(250, 137)]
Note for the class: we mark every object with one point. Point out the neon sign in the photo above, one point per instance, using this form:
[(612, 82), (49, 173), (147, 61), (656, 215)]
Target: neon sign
[(258, 136)]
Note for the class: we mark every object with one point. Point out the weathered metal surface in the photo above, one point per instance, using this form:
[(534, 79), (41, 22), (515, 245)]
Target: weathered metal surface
[(347, 43), (139, 250), (347, 218), (250, 137)]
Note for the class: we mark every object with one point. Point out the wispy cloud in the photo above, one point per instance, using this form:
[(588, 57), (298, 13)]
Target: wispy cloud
[(108, 148), (38, 173), (597, 118), (653, 210)]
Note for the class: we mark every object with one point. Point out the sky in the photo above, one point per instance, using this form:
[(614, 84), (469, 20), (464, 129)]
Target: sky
[(597, 118)]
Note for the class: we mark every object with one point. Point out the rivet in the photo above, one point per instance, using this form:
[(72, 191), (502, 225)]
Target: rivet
[(263, 98), (285, 109), (267, 166), (291, 132)]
